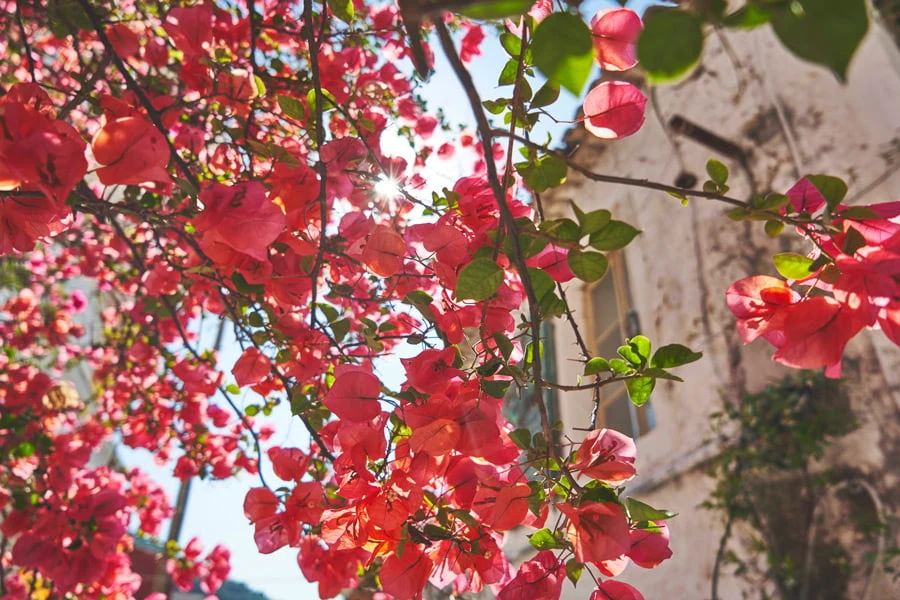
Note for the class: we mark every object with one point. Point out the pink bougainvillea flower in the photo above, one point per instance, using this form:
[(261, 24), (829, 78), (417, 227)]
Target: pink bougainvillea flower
[(431, 371), (598, 530), (133, 152), (758, 303), (815, 333), (384, 251), (615, 32), (541, 577), (436, 438), (614, 109), (615, 590), (251, 368), (354, 395), (289, 464), (650, 548), (260, 503), (191, 29), (805, 197), (24, 220), (403, 577), (124, 41), (553, 260), (240, 218), (606, 455)]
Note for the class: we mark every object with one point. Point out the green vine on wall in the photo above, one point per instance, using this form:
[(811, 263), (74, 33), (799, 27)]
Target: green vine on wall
[(766, 481)]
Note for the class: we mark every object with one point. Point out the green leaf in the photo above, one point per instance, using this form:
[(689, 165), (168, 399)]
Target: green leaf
[(717, 171), (639, 389), (593, 221), (186, 186), (252, 410), (674, 355), (749, 16), (792, 266), (587, 266), (521, 438), (504, 344), (562, 229), (342, 9), (660, 374), (233, 388), (479, 280), (511, 43), (546, 172), (638, 511), (641, 345), (340, 328), (574, 570), (495, 107), (620, 366), (859, 213), (636, 351), (508, 73), (545, 96), (774, 228), (670, 44), (771, 201), (541, 283), (853, 241), (564, 51), (833, 189), (596, 365), (615, 235), (495, 389), (291, 107), (826, 32), (260, 85), (545, 540), (496, 9)]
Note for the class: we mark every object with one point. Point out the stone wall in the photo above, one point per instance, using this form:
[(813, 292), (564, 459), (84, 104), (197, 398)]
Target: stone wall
[(773, 119)]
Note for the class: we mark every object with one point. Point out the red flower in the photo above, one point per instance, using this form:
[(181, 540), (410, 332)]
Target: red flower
[(252, 367), (615, 32), (615, 590), (606, 455), (614, 109), (354, 395), (541, 578), (431, 372), (650, 548), (238, 218), (133, 151), (598, 531), (404, 576)]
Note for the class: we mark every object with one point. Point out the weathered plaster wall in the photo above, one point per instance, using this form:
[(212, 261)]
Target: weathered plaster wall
[(790, 118)]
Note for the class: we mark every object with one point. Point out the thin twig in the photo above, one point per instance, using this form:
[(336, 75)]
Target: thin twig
[(25, 44)]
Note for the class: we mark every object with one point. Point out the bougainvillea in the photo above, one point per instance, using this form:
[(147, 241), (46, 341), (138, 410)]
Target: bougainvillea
[(237, 162)]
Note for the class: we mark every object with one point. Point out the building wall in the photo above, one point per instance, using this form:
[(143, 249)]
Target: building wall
[(790, 118)]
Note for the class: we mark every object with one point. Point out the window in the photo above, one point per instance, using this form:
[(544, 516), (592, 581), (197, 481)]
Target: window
[(610, 319)]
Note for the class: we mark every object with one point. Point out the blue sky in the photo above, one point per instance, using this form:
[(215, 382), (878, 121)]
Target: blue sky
[(214, 512)]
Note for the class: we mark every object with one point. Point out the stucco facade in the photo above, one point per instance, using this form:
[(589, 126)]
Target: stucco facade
[(786, 118)]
